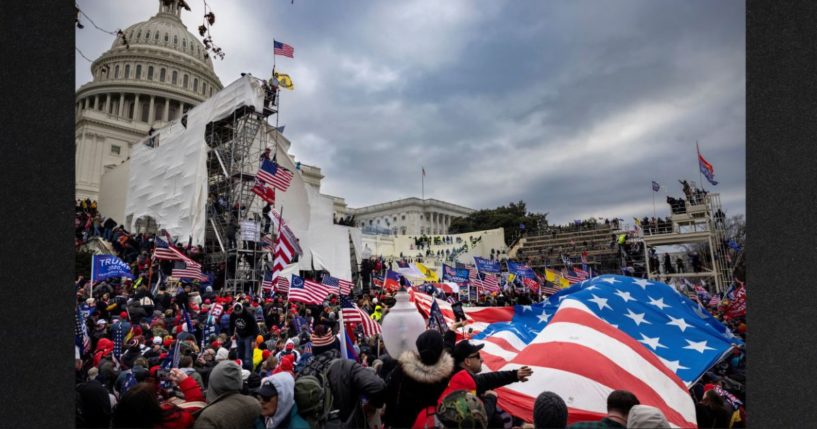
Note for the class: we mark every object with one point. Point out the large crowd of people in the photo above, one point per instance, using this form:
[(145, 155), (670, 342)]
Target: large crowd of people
[(193, 354)]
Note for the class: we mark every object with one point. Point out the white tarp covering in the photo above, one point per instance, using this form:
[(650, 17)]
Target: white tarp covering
[(328, 243), (169, 182)]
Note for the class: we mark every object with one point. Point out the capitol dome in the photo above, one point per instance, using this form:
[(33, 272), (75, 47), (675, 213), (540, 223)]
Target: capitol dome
[(152, 80), (161, 72)]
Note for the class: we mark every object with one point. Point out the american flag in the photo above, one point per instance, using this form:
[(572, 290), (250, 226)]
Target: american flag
[(572, 276), (81, 338), (610, 332), (266, 193), (284, 252), (307, 291), (478, 318), (474, 279), (490, 282), (282, 285), (189, 270), (277, 176), (548, 289), (284, 229), (266, 282), (353, 315), (267, 243), (282, 49), (169, 252), (345, 286), (584, 275)]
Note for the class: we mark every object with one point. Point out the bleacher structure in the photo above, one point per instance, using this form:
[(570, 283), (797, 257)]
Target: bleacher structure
[(236, 144), (545, 249), (695, 223)]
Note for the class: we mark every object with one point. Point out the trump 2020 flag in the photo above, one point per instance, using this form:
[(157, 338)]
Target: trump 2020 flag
[(107, 266), (609, 332), (486, 265)]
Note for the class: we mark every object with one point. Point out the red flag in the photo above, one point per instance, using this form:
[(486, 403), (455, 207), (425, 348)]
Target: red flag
[(266, 193)]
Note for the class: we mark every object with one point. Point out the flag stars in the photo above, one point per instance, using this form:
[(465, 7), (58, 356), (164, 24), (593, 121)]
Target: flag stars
[(673, 365), (658, 302), (680, 323), (610, 280), (543, 317), (527, 308), (652, 342), (643, 283), (601, 302), (625, 296), (638, 318), (699, 346)]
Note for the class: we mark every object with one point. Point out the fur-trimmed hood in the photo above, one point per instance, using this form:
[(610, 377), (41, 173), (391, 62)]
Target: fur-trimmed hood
[(427, 374)]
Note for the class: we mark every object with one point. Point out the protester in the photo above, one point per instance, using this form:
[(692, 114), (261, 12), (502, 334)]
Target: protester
[(226, 406), (549, 411), (619, 403), (646, 417), (418, 381)]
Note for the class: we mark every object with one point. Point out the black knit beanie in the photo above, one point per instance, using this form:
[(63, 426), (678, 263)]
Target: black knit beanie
[(430, 346), (549, 411)]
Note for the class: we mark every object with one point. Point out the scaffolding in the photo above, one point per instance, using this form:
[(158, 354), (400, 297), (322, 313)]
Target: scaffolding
[(697, 222), (232, 238)]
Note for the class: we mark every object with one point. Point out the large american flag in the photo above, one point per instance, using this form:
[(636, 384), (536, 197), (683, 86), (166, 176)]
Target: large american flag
[(308, 292), (353, 315), (272, 173), (345, 286), (283, 49), (607, 333)]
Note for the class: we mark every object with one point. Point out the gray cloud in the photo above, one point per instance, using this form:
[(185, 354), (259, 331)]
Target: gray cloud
[(573, 107)]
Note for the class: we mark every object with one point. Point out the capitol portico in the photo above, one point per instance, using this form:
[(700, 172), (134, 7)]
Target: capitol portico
[(409, 216), (155, 78)]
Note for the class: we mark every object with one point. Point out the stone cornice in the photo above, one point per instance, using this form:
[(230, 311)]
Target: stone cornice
[(412, 202), (126, 127)]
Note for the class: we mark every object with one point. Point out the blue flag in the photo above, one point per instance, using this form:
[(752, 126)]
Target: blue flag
[(679, 331), (521, 270), (486, 266), (456, 275), (107, 266)]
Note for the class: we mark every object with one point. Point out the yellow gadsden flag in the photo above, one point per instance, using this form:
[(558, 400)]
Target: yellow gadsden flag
[(284, 81), (556, 278), (430, 275)]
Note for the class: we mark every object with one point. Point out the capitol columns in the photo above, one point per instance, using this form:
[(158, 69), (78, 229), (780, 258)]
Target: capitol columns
[(166, 112), (151, 112), (121, 104), (137, 109)]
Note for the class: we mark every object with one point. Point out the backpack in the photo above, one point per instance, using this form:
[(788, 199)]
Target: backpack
[(313, 396)]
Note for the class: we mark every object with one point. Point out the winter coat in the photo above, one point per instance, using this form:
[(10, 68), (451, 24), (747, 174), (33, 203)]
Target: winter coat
[(244, 324), (180, 416), (227, 407), (413, 386), (93, 405), (285, 386)]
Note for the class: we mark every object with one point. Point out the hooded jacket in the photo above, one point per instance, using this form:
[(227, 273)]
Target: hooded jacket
[(412, 386), (227, 407), (285, 386)]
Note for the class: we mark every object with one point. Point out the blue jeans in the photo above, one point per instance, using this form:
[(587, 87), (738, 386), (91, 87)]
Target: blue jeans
[(245, 351)]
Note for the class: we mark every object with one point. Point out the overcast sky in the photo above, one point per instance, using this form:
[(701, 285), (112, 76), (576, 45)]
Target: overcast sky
[(572, 106)]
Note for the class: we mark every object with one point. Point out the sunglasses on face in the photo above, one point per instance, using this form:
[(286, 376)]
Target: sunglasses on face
[(475, 356)]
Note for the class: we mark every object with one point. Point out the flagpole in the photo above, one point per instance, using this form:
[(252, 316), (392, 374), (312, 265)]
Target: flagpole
[(342, 329), (92, 277), (653, 203), (423, 182)]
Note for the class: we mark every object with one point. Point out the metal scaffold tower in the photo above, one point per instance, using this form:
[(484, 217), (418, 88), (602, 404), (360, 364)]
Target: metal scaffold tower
[(697, 222), (232, 239)]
